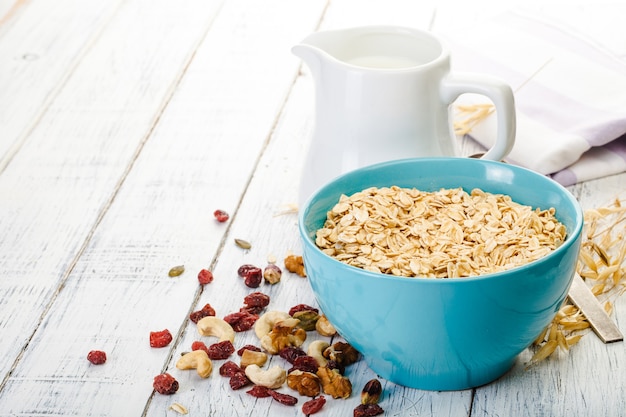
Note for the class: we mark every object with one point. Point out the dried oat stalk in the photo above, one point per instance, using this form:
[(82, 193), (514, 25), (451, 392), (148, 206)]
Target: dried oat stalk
[(468, 116), (601, 262)]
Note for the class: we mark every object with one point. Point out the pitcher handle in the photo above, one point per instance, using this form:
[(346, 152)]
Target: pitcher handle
[(500, 94)]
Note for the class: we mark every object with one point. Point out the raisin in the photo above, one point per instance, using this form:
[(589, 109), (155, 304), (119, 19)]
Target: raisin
[(238, 381), (283, 398), (305, 363), (97, 357), (160, 339), (198, 345), (221, 216), (221, 350), (205, 277), (256, 299), (368, 410), (259, 391), (314, 405), (205, 311), (230, 368), (290, 353), (302, 307), (241, 321), (248, 347), (165, 384)]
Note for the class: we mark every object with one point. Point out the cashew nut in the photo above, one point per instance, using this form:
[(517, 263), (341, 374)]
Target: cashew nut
[(316, 350), (272, 378), (198, 360), (266, 322), (215, 326), (325, 327), (249, 357)]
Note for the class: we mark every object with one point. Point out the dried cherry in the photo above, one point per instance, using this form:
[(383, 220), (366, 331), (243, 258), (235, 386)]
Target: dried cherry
[(205, 277), (165, 384), (160, 339), (205, 311), (302, 307), (221, 350), (314, 405), (290, 353), (248, 347), (198, 345), (97, 357), (256, 299), (238, 381), (221, 216), (285, 399), (230, 368), (305, 363), (241, 320), (368, 410), (259, 391)]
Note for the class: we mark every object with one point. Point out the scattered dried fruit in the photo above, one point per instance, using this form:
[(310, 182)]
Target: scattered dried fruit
[(313, 406), (198, 345), (160, 339), (285, 399), (205, 277), (221, 216), (97, 357), (221, 350), (176, 271), (165, 384), (241, 320), (295, 264), (368, 410), (205, 311)]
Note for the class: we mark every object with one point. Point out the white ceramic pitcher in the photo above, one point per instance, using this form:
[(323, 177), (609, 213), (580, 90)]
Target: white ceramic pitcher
[(384, 93)]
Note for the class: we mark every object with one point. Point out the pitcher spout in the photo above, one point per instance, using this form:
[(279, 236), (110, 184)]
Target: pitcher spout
[(311, 55)]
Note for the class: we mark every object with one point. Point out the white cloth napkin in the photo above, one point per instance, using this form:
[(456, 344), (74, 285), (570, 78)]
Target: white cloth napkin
[(570, 88)]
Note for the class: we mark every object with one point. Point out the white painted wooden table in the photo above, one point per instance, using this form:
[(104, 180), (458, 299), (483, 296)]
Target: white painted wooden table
[(123, 126)]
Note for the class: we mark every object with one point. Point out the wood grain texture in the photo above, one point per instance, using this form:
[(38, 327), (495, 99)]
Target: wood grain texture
[(152, 115)]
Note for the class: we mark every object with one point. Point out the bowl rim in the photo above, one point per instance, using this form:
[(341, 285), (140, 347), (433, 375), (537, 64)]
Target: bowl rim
[(571, 239)]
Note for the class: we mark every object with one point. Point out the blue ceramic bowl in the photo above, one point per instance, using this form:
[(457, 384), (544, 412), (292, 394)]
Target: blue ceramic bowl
[(443, 334)]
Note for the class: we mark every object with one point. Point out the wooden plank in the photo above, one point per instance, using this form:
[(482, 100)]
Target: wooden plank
[(41, 43), (117, 292)]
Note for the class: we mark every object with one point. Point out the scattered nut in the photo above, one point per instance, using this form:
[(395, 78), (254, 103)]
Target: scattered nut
[(325, 327), (295, 264), (198, 360), (342, 353), (176, 270), (251, 357), (272, 273), (179, 408), (285, 333), (266, 322), (243, 244), (306, 383), (308, 319), (272, 378), (215, 326), (371, 392), (334, 384), (316, 349)]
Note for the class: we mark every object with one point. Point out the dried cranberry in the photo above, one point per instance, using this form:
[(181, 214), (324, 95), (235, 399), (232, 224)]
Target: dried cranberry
[(255, 311), (221, 216), (205, 277), (368, 410), (221, 350), (248, 347), (97, 357), (238, 381), (241, 321), (283, 398), (290, 353), (230, 368), (302, 307), (165, 384), (198, 345), (259, 391), (314, 405), (205, 311), (160, 339), (243, 269), (256, 299), (305, 363), (253, 278)]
